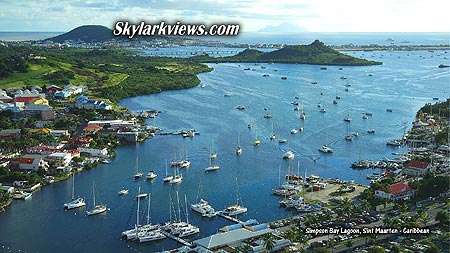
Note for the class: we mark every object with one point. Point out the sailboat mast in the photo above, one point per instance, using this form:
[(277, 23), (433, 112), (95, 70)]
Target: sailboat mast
[(148, 208), (93, 191), (137, 211), (179, 210), (187, 214), (73, 187)]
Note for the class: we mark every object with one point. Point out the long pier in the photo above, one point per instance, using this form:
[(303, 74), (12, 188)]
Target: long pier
[(220, 214), (164, 53), (178, 239)]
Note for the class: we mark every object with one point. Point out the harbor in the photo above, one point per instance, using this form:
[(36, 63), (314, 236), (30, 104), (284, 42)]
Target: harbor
[(214, 116)]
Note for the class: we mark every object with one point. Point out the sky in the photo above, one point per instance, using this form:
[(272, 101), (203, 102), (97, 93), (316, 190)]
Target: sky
[(252, 15)]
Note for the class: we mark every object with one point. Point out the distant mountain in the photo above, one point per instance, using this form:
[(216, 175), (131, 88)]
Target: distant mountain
[(86, 33), (316, 53), (283, 28)]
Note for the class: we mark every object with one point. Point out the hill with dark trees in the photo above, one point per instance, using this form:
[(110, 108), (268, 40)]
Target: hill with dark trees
[(316, 53), (86, 33)]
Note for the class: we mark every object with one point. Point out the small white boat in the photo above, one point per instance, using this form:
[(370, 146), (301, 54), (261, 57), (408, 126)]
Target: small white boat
[(138, 175), (142, 195), (177, 179), (212, 168), (282, 141), (371, 131), (202, 85), (347, 119), (106, 161), (289, 155), (151, 175), (322, 110), (334, 102), (204, 208), (168, 177), (123, 192), (325, 149), (151, 235), (294, 131), (348, 137), (365, 117), (234, 210), (240, 107)]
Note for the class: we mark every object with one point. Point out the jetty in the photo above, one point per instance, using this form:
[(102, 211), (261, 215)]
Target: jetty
[(175, 238), (235, 220)]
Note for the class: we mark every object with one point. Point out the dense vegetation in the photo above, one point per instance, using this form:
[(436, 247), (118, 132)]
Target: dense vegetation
[(440, 109), (112, 74), (315, 53), (86, 33), (12, 60)]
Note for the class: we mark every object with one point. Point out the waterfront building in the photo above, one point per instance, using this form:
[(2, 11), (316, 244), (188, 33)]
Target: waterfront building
[(60, 158), (417, 168), (397, 192), (33, 162)]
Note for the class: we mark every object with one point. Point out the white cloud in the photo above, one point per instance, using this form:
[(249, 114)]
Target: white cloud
[(314, 15)]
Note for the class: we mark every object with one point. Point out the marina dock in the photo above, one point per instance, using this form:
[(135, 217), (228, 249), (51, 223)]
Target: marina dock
[(220, 214), (178, 239)]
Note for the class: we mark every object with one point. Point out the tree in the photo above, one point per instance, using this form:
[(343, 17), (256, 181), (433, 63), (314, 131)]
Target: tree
[(269, 241), (432, 248), (423, 216), (395, 248), (246, 248), (376, 249), (349, 244), (321, 250), (443, 217)]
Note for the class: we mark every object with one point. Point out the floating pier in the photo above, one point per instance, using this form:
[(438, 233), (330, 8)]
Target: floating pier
[(178, 239)]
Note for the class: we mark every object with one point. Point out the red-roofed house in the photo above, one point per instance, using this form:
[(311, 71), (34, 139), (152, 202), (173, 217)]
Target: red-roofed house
[(91, 129), (398, 191), (52, 89), (32, 162), (417, 168)]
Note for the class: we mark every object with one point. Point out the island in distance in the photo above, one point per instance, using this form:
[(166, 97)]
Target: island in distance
[(316, 53)]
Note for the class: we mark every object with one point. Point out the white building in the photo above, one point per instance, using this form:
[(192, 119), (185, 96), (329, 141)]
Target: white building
[(94, 152), (59, 133), (33, 162), (60, 158)]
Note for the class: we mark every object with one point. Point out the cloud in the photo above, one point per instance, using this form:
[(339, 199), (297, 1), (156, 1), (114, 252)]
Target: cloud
[(314, 15)]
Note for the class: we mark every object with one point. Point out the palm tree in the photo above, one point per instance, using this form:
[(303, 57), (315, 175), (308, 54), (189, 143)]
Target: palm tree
[(349, 244), (246, 248), (269, 241)]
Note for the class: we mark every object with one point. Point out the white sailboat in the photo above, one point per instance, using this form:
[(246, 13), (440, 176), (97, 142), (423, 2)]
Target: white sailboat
[(151, 175), (239, 147), (257, 141), (303, 114), (272, 135), (168, 177), (235, 209), (178, 178), (202, 206), (138, 174), (212, 154), (211, 167), (150, 232), (97, 208), (75, 203), (325, 148)]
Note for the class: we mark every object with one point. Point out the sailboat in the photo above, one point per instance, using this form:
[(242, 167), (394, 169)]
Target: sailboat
[(168, 177), (75, 203), (150, 232), (272, 135), (178, 178), (97, 208), (303, 114), (138, 174), (132, 234), (257, 141), (211, 167), (235, 209), (239, 147), (289, 155), (180, 228), (203, 207), (348, 137), (325, 148), (347, 119), (212, 154)]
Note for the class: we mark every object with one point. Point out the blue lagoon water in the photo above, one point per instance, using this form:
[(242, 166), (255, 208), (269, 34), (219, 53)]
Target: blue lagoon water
[(404, 82)]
